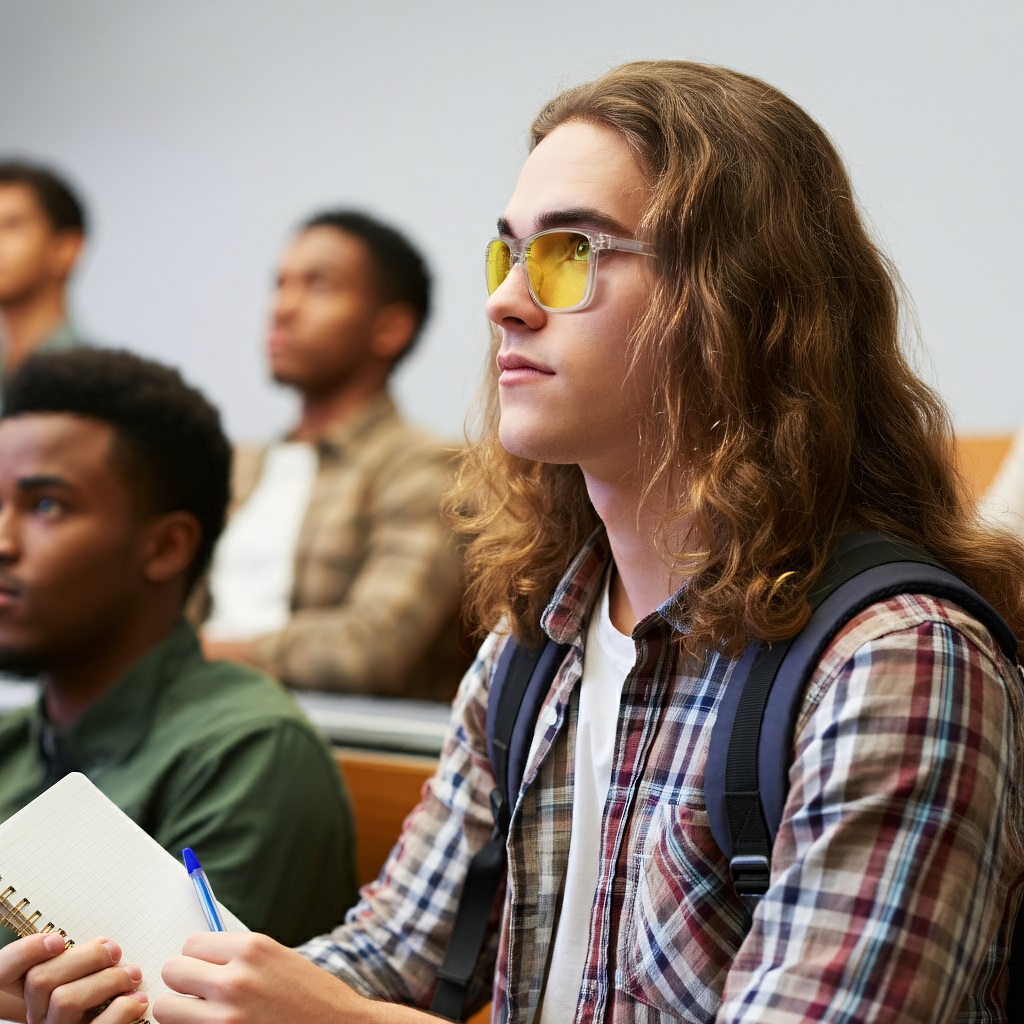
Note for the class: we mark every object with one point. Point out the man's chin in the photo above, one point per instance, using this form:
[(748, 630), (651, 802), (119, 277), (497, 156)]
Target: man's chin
[(287, 380), (283, 368)]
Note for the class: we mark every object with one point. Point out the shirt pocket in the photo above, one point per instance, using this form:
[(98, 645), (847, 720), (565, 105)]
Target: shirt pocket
[(684, 922)]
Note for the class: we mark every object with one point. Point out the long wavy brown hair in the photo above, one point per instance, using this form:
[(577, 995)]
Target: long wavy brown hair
[(788, 412)]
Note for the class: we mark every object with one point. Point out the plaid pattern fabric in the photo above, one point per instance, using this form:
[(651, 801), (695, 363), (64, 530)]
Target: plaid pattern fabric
[(378, 579), (895, 874)]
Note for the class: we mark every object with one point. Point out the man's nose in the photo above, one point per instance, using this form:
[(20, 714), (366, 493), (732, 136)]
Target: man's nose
[(512, 300), (285, 304)]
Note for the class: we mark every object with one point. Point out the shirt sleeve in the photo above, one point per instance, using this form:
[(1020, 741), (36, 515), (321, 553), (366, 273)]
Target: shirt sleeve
[(394, 939), (891, 864), (406, 590), (268, 818)]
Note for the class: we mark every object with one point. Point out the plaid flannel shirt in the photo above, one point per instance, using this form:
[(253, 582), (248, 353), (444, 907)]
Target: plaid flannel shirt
[(378, 577), (895, 874)]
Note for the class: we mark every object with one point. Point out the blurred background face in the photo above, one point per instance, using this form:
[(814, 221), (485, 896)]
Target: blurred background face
[(69, 541), (324, 311), (31, 252)]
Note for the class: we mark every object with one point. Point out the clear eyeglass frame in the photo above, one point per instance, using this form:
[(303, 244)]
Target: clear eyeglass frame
[(519, 249)]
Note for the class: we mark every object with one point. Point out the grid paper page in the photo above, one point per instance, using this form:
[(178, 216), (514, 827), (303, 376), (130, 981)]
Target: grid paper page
[(92, 871)]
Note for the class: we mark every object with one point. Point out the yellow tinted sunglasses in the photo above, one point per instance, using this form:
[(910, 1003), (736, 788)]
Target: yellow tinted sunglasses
[(560, 264)]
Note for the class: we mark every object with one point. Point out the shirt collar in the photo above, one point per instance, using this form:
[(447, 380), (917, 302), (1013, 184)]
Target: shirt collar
[(113, 728), (62, 336), (568, 613), (365, 420)]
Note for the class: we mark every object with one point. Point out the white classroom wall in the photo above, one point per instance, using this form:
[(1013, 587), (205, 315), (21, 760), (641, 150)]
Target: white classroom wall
[(201, 131)]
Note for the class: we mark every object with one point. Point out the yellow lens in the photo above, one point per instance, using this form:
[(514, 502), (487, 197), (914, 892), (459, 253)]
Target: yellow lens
[(558, 263), (498, 262)]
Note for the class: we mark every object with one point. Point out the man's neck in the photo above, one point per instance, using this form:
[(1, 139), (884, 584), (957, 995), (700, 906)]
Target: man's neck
[(321, 413), (72, 687), (28, 323), (642, 580)]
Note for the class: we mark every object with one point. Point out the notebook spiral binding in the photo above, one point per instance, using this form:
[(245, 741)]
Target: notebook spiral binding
[(16, 915)]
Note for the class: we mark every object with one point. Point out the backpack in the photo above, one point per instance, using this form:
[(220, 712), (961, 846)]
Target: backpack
[(746, 776)]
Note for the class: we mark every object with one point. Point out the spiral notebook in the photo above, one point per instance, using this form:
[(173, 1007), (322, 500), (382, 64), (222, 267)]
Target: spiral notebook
[(86, 869)]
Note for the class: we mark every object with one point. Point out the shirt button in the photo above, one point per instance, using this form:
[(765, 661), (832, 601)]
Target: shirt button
[(550, 716)]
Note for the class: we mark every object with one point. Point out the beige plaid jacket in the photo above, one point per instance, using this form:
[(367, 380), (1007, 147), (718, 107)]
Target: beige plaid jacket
[(378, 580)]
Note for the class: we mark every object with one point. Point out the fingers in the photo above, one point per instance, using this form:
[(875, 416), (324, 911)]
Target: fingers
[(228, 972), (62, 989), (204, 955), (68, 1003), (77, 962), (17, 958), (125, 1009), (170, 1008), (190, 976), (222, 947), (261, 981)]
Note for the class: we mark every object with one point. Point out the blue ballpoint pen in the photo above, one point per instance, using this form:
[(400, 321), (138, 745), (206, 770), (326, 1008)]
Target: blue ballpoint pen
[(203, 890)]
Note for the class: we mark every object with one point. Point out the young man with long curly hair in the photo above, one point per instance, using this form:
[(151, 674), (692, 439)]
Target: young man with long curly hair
[(697, 392)]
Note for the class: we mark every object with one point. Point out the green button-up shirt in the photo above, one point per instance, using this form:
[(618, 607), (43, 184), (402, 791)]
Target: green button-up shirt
[(214, 756)]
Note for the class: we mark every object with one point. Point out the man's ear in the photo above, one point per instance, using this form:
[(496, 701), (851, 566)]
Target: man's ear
[(393, 330), (64, 252), (170, 545)]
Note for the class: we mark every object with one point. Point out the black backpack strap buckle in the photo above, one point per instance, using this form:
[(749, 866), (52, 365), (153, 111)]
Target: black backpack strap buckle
[(750, 874)]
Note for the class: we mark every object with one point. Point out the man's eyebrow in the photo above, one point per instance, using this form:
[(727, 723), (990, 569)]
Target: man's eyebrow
[(322, 270), (314, 270), (40, 481), (572, 217)]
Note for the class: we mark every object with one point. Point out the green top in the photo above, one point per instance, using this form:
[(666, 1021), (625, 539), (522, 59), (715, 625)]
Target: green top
[(213, 756), (64, 335)]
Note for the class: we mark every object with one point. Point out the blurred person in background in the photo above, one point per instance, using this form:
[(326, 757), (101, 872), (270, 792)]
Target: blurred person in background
[(42, 233), (336, 570)]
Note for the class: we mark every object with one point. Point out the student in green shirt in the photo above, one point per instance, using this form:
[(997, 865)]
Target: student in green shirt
[(113, 488)]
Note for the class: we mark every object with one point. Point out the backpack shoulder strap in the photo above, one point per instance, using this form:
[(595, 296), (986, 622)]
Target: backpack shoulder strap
[(521, 680), (747, 774)]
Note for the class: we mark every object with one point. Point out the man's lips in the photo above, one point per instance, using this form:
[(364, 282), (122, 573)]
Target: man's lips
[(10, 590), (515, 368), (277, 342)]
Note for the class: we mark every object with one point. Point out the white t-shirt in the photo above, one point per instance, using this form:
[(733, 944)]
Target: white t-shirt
[(607, 659), (254, 565)]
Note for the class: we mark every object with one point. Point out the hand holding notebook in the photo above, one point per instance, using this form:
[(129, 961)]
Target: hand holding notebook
[(75, 861), (42, 980)]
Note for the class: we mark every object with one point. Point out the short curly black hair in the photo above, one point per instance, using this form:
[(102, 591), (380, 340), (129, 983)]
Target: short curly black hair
[(399, 268), (170, 445)]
